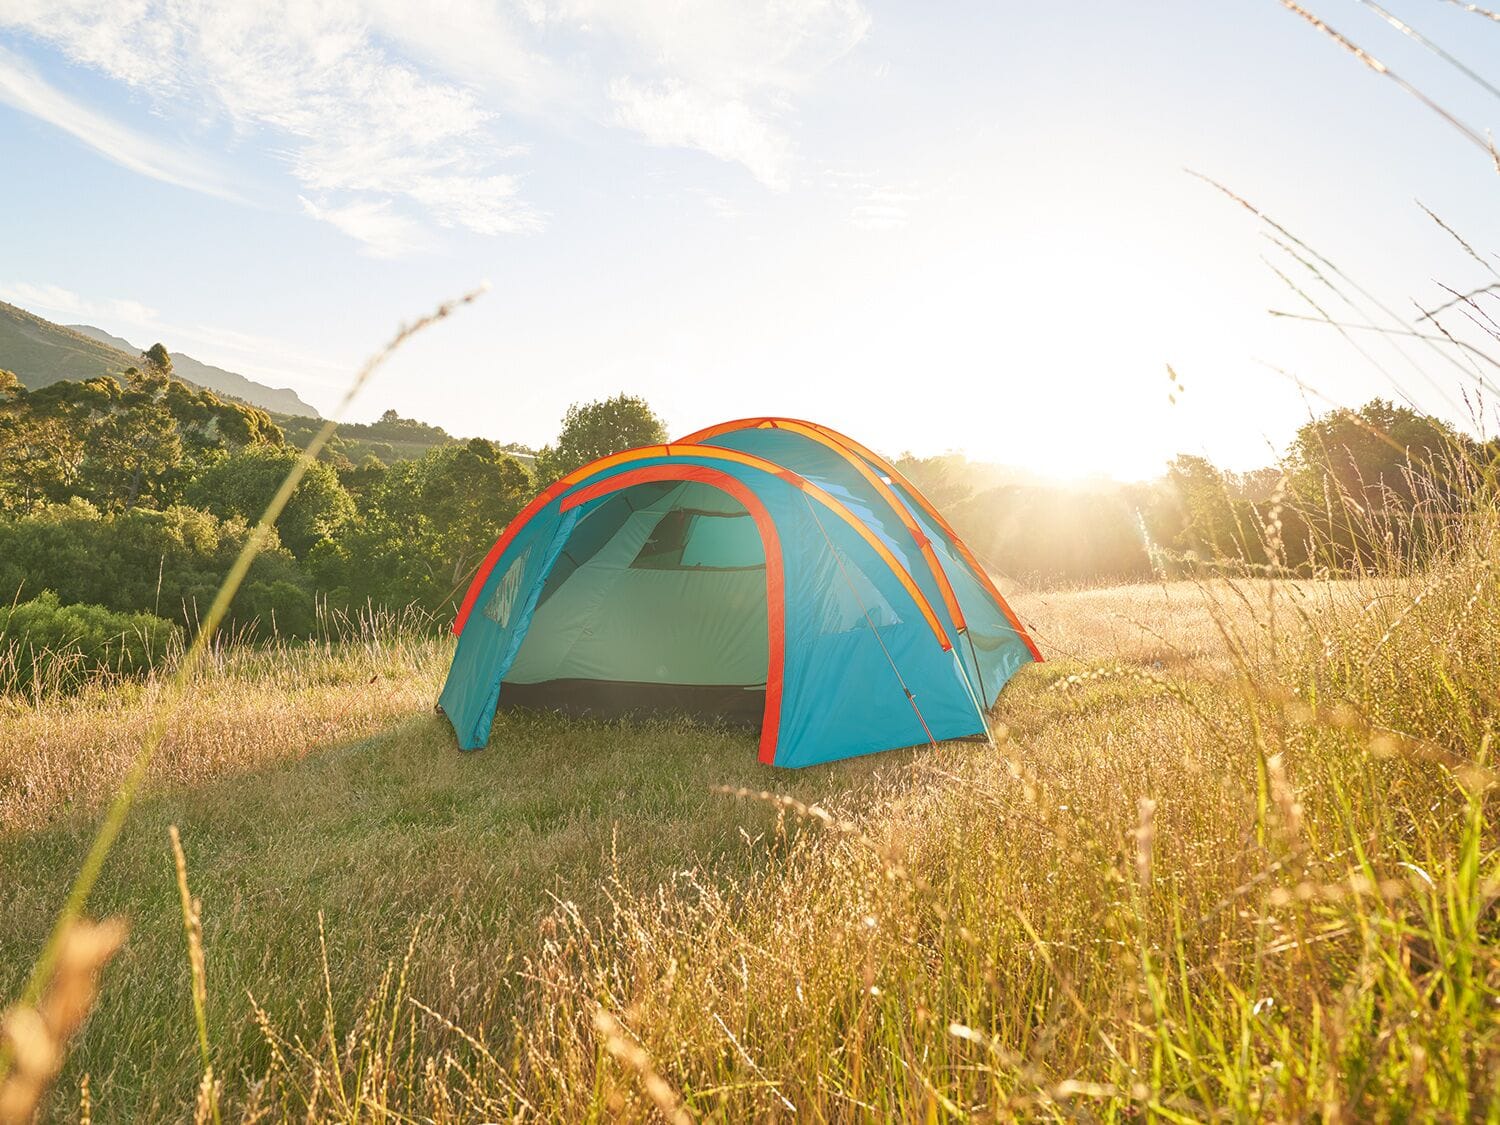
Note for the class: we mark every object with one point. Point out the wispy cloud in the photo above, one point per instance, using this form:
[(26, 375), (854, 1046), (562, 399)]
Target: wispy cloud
[(392, 118), (721, 75), (374, 143), (373, 223), (65, 303), (23, 89), (881, 209), (873, 206), (670, 113)]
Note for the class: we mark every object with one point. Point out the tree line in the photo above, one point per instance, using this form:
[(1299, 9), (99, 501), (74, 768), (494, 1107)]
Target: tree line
[(132, 496), (1355, 489)]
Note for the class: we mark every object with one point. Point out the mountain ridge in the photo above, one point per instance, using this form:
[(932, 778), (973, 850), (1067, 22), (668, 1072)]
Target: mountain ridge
[(42, 352)]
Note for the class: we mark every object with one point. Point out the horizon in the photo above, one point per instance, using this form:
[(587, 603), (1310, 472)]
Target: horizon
[(733, 214)]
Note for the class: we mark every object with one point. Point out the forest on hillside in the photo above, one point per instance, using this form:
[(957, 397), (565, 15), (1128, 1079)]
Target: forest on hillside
[(124, 500)]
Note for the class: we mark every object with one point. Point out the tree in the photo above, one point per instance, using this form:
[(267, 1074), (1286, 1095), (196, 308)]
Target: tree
[(363, 479), (158, 360), (1378, 452), (65, 644), (167, 563), (424, 527), (120, 445), (244, 482), (39, 460), (597, 429), (470, 492), (947, 479), (1209, 524), (134, 454), (1078, 535), (1368, 484)]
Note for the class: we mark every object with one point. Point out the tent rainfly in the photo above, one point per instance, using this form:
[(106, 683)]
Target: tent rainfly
[(768, 572)]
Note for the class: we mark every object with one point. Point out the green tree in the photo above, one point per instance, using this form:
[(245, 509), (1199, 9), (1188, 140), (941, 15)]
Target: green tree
[(48, 642), (38, 461), (1210, 528), (1368, 483), (134, 454), (363, 479), (947, 479), (39, 456), (597, 429), (242, 483), (158, 360), (132, 444), (1374, 454), (167, 563), (425, 526)]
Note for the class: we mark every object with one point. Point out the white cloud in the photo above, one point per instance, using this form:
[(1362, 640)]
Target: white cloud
[(720, 75), (389, 114), (70, 306), (22, 88), (880, 209), (373, 139), (731, 47), (874, 205), (484, 204), (373, 223), (669, 113)]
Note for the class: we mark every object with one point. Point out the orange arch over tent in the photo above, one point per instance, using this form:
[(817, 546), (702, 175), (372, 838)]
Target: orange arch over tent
[(861, 458), (882, 489), (711, 453), (775, 574)]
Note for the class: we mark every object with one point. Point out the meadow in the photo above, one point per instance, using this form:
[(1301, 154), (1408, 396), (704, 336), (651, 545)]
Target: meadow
[(1232, 855)]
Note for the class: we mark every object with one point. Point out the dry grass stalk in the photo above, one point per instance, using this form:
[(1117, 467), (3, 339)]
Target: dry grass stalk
[(1475, 9), (192, 924), (37, 1038), (1472, 134), (638, 1060), (1288, 807), (1145, 839)]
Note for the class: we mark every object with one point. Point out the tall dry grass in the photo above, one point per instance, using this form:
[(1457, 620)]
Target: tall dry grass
[(1244, 866), (247, 706), (1269, 896)]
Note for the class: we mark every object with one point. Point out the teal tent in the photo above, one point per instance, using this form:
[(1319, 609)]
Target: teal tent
[(767, 571)]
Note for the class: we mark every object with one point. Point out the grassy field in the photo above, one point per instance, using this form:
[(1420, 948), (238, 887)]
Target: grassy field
[(1233, 855)]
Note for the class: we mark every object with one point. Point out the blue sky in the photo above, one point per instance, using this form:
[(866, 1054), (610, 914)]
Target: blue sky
[(960, 226)]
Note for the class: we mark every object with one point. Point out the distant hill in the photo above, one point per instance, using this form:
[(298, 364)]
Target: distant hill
[(281, 400), (41, 352)]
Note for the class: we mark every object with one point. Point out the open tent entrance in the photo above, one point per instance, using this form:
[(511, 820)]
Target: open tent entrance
[(656, 604)]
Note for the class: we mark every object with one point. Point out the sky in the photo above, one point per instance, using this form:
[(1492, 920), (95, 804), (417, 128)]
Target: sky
[(962, 227)]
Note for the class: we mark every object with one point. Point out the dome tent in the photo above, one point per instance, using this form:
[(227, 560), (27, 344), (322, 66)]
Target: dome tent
[(767, 570)]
